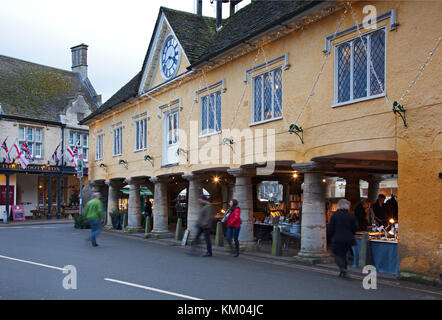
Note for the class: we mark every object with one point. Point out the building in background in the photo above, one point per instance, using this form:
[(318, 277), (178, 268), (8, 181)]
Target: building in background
[(40, 107)]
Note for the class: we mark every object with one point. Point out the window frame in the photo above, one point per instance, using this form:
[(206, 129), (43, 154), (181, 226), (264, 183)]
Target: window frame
[(32, 143), (209, 132), (99, 147), (73, 134), (262, 74), (336, 63), (120, 138), (140, 143)]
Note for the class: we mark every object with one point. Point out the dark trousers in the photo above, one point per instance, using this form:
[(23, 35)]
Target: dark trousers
[(95, 230), (206, 232), (340, 250), (233, 232)]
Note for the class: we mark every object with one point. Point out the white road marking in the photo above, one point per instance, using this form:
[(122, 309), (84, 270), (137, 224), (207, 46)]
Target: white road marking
[(152, 289), (33, 263)]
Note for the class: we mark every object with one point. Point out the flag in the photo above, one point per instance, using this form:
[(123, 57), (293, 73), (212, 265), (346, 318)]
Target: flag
[(21, 157), (4, 146), (55, 155), (72, 155), (25, 149)]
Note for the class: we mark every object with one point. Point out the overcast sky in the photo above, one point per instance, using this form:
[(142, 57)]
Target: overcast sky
[(117, 33)]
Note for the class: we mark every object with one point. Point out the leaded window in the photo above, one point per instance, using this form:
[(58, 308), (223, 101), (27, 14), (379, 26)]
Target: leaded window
[(210, 113), (140, 134), (360, 68), (118, 141), (267, 96), (99, 147)]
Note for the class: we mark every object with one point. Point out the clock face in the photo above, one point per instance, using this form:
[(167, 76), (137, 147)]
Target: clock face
[(170, 57)]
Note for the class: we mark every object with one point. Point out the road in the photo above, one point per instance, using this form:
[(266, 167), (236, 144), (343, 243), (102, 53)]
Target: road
[(32, 260)]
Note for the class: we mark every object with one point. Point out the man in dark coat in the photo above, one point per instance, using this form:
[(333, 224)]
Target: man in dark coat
[(204, 224), (342, 228), (380, 210)]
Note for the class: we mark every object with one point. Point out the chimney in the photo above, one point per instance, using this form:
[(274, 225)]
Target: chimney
[(219, 14), (79, 60), (199, 7), (233, 3)]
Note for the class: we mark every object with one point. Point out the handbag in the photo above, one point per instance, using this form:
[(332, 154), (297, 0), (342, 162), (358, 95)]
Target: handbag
[(226, 216)]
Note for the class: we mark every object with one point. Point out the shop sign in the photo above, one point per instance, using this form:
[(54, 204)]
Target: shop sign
[(30, 167), (18, 213)]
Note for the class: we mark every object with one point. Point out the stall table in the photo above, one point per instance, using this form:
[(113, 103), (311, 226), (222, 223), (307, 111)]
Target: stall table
[(383, 254), (262, 231)]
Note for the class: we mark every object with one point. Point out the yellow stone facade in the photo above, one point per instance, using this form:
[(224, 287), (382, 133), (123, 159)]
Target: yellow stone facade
[(366, 126)]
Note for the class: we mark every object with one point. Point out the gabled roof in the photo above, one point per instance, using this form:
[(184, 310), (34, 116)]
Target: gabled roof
[(200, 40), (250, 21), (33, 91), (195, 33), (128, 91)]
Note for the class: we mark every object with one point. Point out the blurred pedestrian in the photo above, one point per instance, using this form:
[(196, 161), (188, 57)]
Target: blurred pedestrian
[(94, 214), (342, 228), (204, 224), (233, 225)]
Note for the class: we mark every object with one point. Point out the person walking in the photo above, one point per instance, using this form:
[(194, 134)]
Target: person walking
[(94, 214), (204, 224), (233, 220), (342, 228)]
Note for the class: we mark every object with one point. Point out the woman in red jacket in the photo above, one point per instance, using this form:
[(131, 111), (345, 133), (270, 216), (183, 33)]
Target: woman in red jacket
[(233, 225)]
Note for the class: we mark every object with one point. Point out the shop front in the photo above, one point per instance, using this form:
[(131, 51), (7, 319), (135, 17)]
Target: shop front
[(42, 191)]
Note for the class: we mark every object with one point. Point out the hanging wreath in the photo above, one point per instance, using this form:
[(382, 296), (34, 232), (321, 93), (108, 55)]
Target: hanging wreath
[(123, 163), (181, 150), (293, 128), (400, 110), (148, 158)]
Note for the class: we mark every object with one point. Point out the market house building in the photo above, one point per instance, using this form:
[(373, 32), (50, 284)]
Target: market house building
[(298, 92), (41, 106)]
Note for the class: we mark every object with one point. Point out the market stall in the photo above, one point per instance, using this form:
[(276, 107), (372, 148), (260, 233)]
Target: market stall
[(382, 250)]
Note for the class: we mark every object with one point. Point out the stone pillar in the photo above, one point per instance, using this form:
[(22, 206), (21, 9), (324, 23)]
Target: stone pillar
[(194, 191), (313, 228), (230, 192), (160, 209), (112, 198), (134, 208), (244, 194), (373, 188), (225, 196), (352, 190)]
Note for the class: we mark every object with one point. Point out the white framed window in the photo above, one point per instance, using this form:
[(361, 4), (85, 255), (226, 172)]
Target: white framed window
[(172, 128), (118, 141), (140, 134), (81, 141), (33, 139), (170, 137), (356, 79), (210, 113), (267, 96), (38, 143), (99, 147)]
